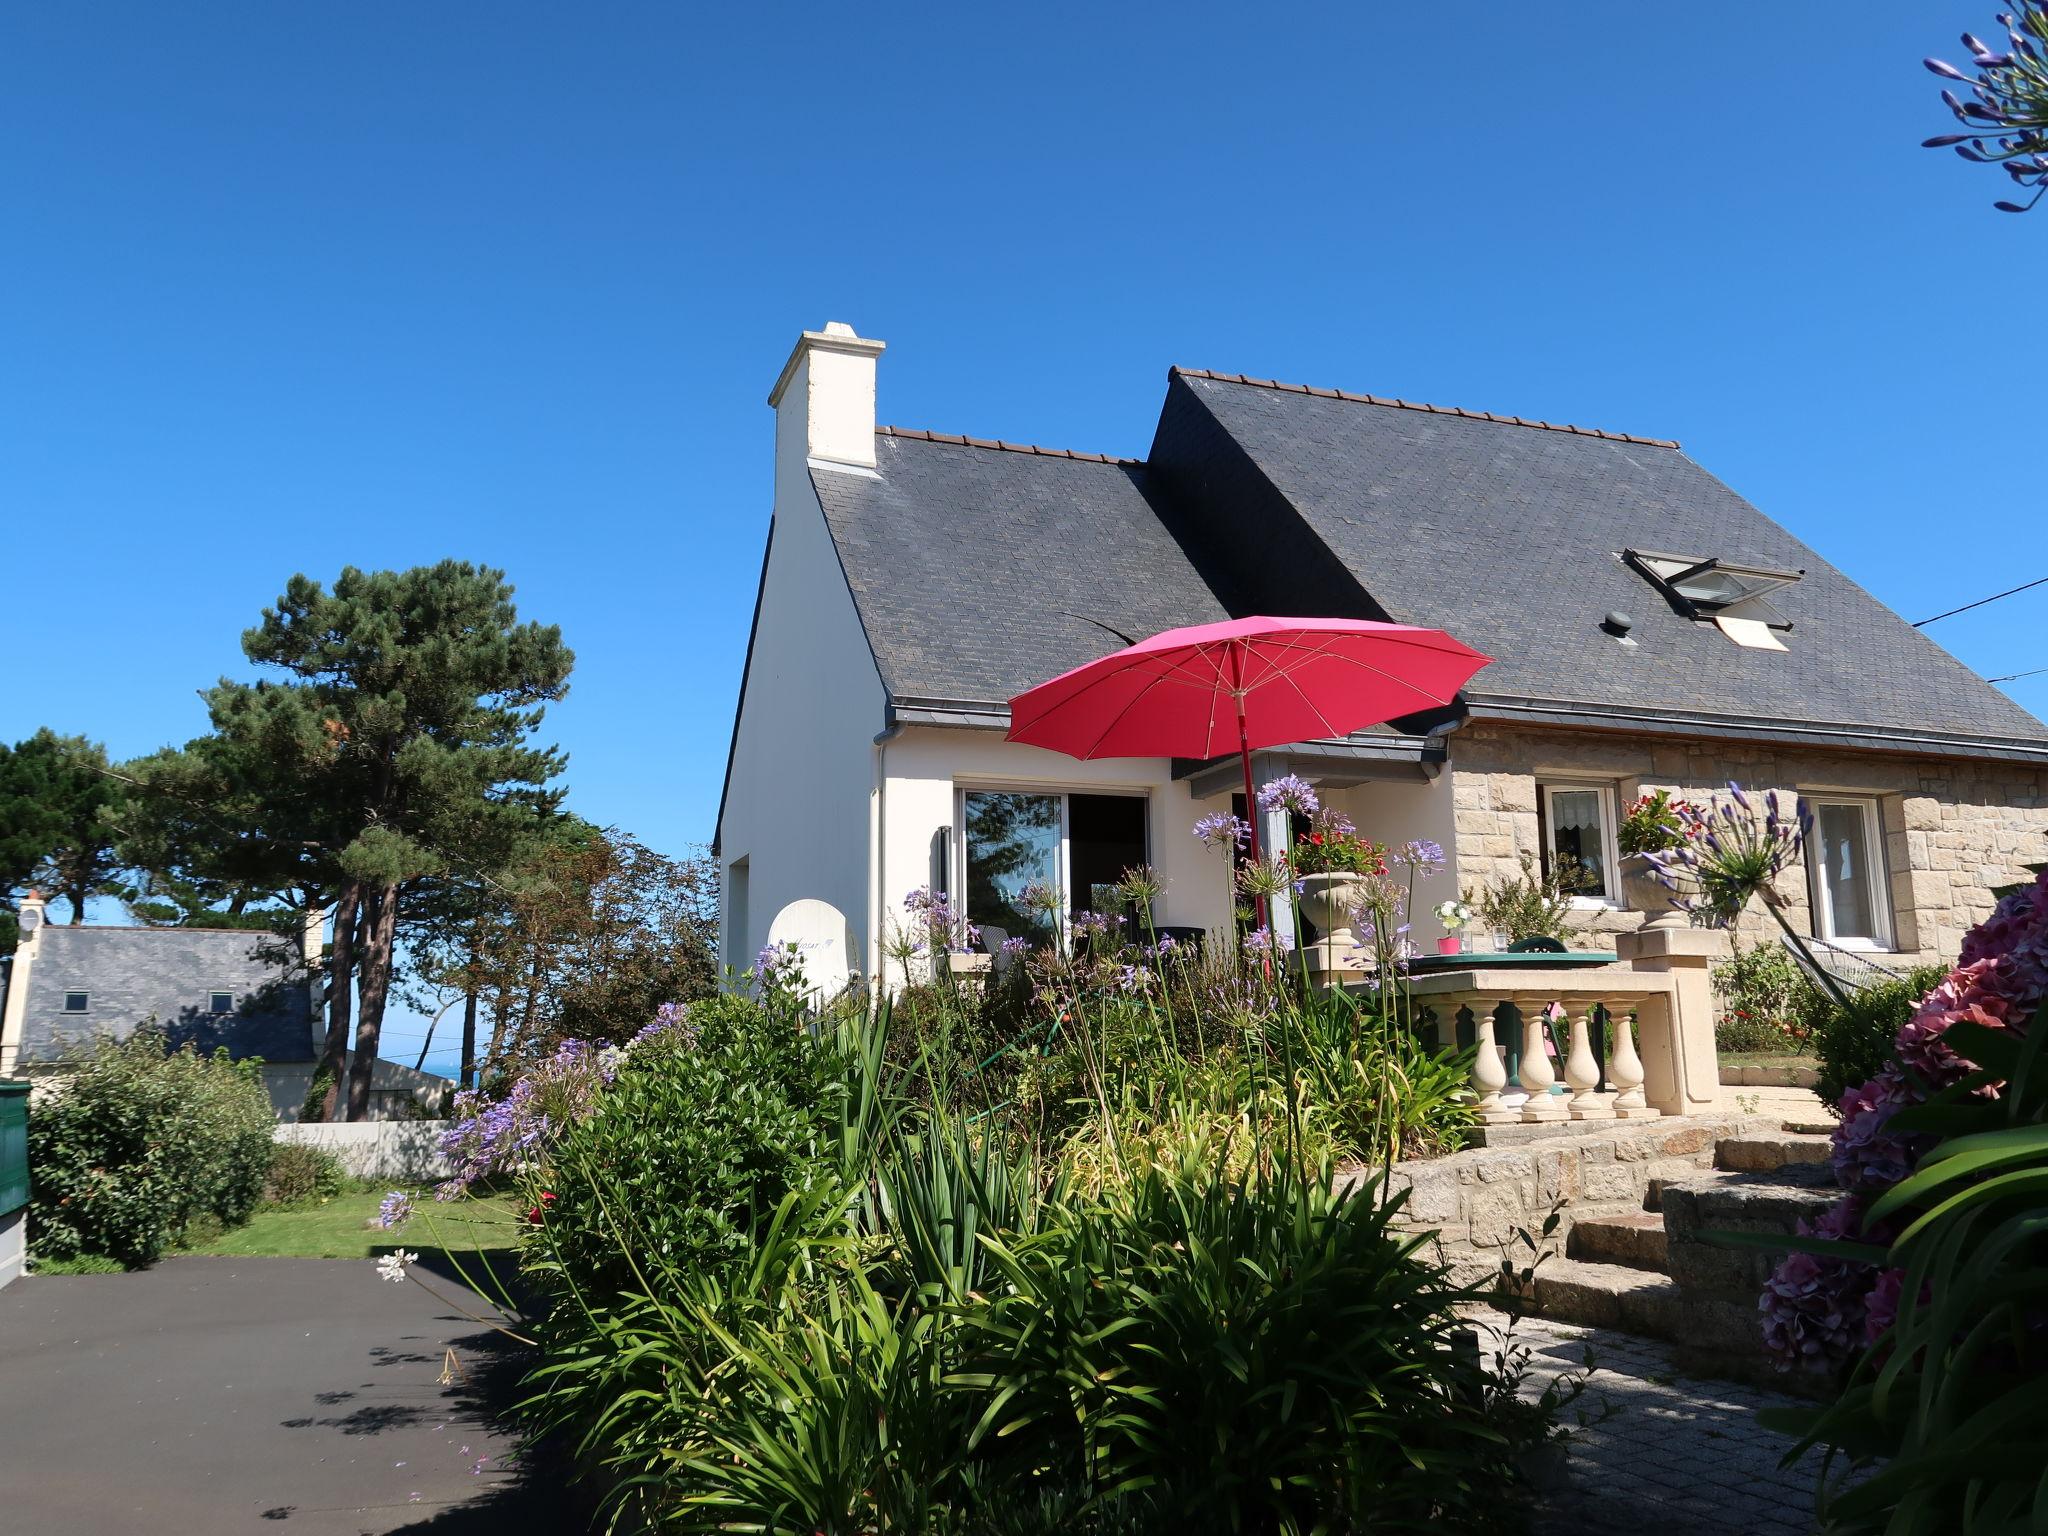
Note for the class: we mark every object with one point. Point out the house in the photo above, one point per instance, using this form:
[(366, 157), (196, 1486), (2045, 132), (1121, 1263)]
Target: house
[(251, 991), (1650, 628)]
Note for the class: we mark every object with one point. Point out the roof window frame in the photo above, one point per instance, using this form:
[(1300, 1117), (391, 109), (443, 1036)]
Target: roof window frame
[(1761, 580)]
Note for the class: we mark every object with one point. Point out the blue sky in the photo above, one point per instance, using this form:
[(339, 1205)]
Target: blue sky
[(287, 288)]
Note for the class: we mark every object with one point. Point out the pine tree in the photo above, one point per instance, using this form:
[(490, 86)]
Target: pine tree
[(396, 751)]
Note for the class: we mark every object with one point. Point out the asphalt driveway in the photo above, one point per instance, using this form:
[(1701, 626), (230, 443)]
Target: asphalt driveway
[(214, 1395)]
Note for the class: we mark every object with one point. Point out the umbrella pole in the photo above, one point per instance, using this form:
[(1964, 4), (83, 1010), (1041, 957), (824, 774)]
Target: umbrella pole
[(1251, 800)]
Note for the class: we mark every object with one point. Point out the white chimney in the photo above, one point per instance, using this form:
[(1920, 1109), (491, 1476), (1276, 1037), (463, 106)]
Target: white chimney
[(825, 400)]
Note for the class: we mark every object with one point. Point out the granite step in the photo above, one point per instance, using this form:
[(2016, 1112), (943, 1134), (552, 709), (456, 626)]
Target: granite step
[(1769, 1153), (1636, 1240), (1642, 1302), (1769, 1205), (1668, 1171)]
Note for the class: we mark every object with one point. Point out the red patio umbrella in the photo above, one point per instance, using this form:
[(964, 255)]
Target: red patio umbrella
[(1245, 684)]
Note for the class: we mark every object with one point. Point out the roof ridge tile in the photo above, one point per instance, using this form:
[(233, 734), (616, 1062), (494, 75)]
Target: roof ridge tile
[(1417, 405), (956, 440)]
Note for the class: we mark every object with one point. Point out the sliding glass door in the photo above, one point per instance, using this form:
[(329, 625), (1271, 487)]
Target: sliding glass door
[(1077, 845)]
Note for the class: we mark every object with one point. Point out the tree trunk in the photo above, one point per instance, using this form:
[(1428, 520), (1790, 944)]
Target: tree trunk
[(379, 929), (341, 966), (76, 896)]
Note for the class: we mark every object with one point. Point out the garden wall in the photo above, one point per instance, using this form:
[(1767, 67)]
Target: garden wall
[(403, 1151), (1953, 828), (1475, 1201)]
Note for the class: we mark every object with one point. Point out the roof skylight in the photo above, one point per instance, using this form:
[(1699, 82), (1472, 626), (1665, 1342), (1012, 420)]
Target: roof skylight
[(1706, 587)]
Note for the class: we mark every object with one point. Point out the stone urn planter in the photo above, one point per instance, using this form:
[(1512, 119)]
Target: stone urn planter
[(1647, 894), (1327, 901)]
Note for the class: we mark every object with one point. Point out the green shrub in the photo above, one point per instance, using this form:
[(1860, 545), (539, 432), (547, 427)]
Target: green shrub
[(1854, 1044), (698, 1140), (936, 1331), (1535, 904), (301, 1174), (1763, 1000), (136, 1147)]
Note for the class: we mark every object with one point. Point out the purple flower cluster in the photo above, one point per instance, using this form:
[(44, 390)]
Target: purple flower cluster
[(1220, 829), (938, 929), (395, 1210), (1819, 1310), (1422, 855), (1729, 854), (493, 1137), (671, 1021), (1292, 792), (2007, 115)]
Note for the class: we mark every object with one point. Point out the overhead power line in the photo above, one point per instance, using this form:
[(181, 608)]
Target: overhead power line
[(2013, 677), (1994, 597)]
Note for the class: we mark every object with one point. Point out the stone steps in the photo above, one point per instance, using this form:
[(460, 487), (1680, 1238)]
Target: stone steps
[(1769, 1153), (1636, 1240), (1650, 1272)]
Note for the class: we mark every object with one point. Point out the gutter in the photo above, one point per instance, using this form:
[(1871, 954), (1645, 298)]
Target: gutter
[(1689, 723)]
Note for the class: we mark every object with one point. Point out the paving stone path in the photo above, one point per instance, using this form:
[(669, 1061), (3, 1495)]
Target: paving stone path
[(1680, 1455)]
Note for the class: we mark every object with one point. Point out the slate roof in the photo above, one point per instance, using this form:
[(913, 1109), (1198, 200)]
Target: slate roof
[(977, 567), (132, 975), (1509, 535)]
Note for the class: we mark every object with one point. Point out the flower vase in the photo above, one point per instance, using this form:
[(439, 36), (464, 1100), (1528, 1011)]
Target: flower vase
[(1327, 900), (1450, 944), (1649, 895)]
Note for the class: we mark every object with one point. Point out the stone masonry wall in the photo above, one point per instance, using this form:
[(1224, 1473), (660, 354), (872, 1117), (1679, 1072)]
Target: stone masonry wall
[(1953, 828), (1474, 1202)]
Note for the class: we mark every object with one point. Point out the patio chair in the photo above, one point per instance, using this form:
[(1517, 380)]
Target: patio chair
[(1849, 969)]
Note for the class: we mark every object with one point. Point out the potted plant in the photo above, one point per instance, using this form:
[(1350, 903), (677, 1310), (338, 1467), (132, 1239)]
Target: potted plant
[(1456, 916), (1331, 864), (1530, 905), (1655, 824)]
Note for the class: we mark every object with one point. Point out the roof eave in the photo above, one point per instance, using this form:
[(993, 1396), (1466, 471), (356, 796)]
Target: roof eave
[(1836, 735)]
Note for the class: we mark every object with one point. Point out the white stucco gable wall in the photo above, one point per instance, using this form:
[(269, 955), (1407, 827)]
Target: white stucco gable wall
[(802, 770)]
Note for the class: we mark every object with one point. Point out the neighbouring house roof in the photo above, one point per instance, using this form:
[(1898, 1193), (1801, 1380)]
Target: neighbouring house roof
[(1510, 533), (980, 568), (133, 975)]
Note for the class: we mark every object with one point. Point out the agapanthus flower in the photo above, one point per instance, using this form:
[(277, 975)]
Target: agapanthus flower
[(1292, 792), (671, 1021), (392, 1266), (1220, 829), (1423, 855), (395, 1210), (1268, 941), (1014, 946)]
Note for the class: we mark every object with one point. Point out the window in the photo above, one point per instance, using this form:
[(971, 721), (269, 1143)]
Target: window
[(77, 1002), (220, 1002), (1704, 587), (1846, 867), (1078, 845), (1578, 835)]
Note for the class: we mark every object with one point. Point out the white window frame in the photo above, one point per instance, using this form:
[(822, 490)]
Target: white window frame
[(1063, 862), (220, 992), (1610, 845), (76, 1011), (1822, 903)]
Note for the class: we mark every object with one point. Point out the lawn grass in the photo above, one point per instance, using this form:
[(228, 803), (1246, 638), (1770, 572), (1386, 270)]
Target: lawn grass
[(341, 1228), (1765, 1059)]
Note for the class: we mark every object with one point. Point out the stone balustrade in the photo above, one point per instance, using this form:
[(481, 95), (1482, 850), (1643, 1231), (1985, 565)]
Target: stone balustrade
[(1654, 1057)]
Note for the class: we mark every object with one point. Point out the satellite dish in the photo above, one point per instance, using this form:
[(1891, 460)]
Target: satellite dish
[(823, 939)]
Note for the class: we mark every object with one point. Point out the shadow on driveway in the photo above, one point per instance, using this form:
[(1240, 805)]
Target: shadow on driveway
[(216, 1395)]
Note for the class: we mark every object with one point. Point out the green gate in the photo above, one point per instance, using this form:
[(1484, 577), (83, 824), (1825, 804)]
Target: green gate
[(13, 1146)]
